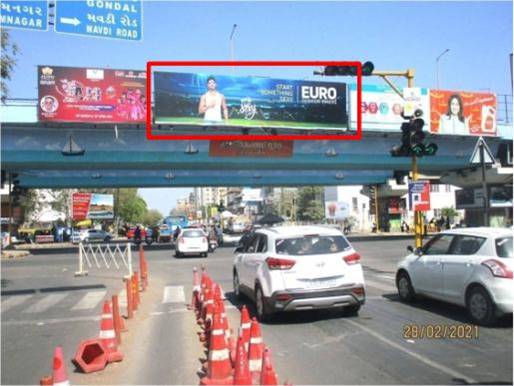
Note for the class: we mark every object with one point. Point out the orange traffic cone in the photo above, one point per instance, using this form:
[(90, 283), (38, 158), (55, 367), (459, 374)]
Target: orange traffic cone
[(212, 309), (255, 351), (245, 327), (59, 370), (242, 374), (47, 380), (219, 371), (108, 336), (268, 375), (196, 290)]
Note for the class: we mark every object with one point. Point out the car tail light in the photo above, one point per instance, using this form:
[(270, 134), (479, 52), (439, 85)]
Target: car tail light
[(204, 240), (276, 263), (498, 269), (359, 291), (354, 258), (181, 240), (283, 297)]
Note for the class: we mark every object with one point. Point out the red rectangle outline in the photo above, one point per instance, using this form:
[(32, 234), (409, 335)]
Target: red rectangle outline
[(301, 137)]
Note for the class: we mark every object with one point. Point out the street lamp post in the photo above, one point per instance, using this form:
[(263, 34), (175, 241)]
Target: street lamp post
[(231, 39), (437, 65)]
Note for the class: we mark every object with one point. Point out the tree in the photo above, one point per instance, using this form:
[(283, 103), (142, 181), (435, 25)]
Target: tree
[(128, 206), (450, 212), (152, 217), (310, 205), (8, 62)]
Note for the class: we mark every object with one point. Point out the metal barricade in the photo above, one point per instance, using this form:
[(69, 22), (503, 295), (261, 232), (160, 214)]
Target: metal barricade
[(104, 256)]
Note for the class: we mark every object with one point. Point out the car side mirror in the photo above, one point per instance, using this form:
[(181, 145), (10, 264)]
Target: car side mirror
[(410, 249)]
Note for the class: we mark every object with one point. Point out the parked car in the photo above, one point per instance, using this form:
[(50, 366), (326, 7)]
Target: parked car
[(97, 235), (292, 268), (470, 267), (191, 241), (146, 235)]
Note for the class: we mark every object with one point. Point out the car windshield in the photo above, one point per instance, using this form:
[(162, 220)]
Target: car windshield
[(193, 233), (504, 246), (311, 245)]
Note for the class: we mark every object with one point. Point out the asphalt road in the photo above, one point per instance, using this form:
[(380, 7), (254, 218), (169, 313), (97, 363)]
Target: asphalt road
[(44, 305)]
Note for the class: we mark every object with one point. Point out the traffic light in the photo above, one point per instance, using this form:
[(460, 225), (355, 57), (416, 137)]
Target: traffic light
[(413, 138), (367, 70)]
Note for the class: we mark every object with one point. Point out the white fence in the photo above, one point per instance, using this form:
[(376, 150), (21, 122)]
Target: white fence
[(104, 256)]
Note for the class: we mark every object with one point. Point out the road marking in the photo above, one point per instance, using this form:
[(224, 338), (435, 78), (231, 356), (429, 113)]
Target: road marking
[(90, 300), (14, 301), (49, 321), (173, 294), (413, 354), (380, 286), (45, 303), (385, 277)]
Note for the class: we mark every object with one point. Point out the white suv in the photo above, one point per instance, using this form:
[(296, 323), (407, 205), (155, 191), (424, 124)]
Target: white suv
[(470, 267), (294, 268)]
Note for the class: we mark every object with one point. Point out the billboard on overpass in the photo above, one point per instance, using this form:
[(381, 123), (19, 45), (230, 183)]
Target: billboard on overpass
[(92, 95), (462, 113), (202, 99)]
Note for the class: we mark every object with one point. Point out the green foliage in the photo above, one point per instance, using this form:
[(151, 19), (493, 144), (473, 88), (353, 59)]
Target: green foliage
[(310, 204), (8, 61), (449, 212), (129, 206), (152, 217)]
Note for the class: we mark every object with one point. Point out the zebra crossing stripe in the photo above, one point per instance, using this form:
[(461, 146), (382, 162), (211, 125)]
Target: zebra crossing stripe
[(90, 300), (45, 303), (173, 294), (14, 301)]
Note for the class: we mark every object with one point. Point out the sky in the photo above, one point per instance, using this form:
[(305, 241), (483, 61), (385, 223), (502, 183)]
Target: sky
[(393, 35)]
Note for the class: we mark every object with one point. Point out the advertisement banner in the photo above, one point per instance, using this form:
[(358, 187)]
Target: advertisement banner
[(278, 149), (382, 107), (462, 113), (337, 210), (419, 196), (202, 99), (469, 198), (92, 206), (68, 94)]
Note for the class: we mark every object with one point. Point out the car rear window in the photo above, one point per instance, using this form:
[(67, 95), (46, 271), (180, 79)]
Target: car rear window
[(311, 245), (504, 246), (193, 233)]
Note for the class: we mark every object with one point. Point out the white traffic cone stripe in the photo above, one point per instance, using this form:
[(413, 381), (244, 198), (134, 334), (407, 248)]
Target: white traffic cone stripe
[(218, 355), (65, 383), (255, 364), (107, 334), (255, 340), (246, 326), (106, 316), (217, 332)]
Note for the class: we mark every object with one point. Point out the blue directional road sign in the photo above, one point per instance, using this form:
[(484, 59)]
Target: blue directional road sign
[(120, 19), (32, 15)]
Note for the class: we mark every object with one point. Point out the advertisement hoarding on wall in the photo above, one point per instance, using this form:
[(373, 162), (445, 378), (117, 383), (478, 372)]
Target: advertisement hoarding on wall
[(462, 113), (68, 94), (419, 196), (92, 206), (202, 99), (337, 210), (382, 107)]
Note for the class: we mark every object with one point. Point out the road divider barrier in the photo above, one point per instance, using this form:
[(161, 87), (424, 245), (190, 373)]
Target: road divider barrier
[(241, 360), (104, 256)]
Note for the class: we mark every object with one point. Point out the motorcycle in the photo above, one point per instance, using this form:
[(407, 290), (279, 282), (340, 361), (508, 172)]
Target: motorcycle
[(213, 244)]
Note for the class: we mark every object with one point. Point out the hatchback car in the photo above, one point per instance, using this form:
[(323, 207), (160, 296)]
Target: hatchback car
[(96, 235), (292, 268), (191, 241), (470, 267)]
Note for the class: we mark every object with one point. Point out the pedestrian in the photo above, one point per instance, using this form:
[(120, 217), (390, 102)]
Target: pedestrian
[(447, 225)]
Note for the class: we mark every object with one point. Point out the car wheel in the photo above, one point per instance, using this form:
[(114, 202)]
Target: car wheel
[(480, 306), (204, 254), (178, 254), (264, 314), (404, 286), (351, 310), (235, 285)]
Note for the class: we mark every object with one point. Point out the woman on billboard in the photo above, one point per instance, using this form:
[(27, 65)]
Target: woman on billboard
[(212, 103), (454, 122)]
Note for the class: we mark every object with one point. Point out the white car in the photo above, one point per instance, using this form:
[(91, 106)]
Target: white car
[(191, 241), (470, 267), (294, 268)]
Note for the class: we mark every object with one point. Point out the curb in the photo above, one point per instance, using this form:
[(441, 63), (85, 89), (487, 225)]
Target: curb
[(14, 254)]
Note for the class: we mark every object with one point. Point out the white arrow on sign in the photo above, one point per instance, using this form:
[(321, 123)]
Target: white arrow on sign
[(68, 20), (488, 155)]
